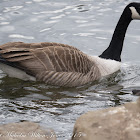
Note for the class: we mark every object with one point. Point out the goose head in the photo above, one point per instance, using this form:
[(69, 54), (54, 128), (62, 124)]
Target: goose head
[(135, 10)]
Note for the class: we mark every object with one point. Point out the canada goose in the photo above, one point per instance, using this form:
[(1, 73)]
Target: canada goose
[(64, 65)]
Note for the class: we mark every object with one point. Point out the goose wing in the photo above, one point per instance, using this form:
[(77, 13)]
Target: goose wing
[(53, 63)]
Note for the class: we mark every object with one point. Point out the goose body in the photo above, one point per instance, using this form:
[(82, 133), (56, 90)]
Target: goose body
[(64, 65)]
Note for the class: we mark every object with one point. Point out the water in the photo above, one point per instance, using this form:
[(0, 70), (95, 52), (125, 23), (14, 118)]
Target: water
[(85, 24)]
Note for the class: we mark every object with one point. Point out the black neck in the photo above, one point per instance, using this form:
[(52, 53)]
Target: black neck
[(115, 48)]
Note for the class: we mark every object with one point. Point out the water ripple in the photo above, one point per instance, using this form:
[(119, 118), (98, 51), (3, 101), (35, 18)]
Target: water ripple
[(46, 29), (39, 0), (13, 8), (58, 17), (7, 28), (4, 23), (20, 36), (84, 34)]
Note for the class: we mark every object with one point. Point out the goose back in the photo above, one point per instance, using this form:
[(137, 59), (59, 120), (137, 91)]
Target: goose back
[(53, 63)]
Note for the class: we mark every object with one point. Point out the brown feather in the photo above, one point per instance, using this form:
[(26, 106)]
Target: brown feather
[(53, 63)]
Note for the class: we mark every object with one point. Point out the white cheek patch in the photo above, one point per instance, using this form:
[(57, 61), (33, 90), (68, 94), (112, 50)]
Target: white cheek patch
[(135, 14)]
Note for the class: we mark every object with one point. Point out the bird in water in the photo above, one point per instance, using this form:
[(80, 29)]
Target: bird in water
[(64, 65)]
